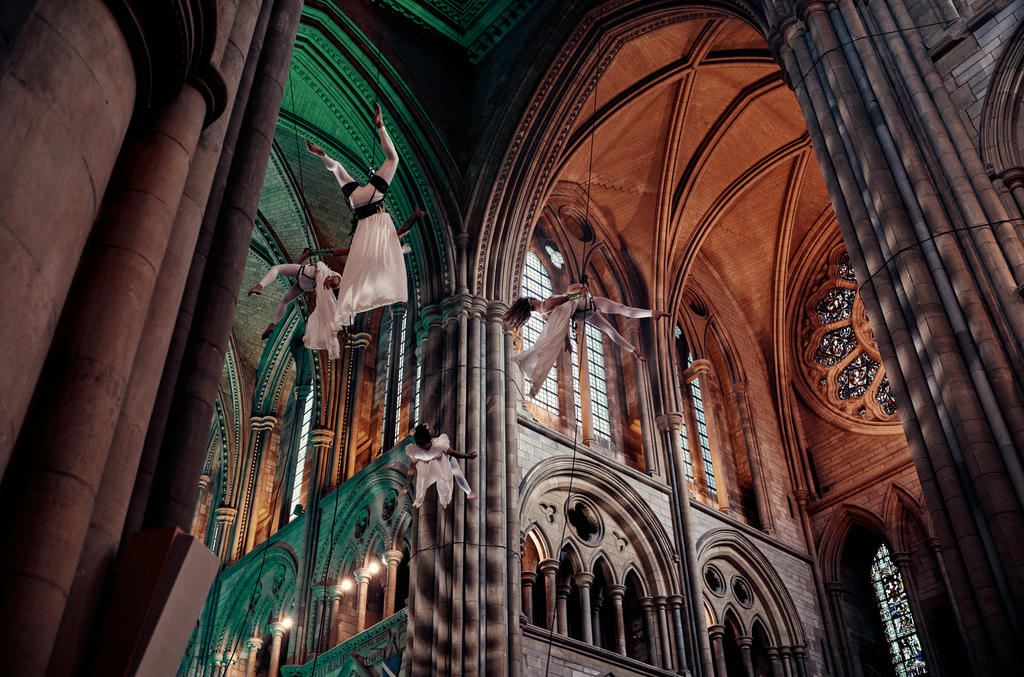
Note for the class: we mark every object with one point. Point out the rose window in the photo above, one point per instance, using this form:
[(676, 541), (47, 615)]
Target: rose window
[(843, 367)]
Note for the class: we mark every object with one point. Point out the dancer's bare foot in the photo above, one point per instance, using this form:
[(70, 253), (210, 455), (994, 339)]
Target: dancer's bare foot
[(640, 356), (306, 253), (257, 290), (658, 314), (266, 332), (471, 495)]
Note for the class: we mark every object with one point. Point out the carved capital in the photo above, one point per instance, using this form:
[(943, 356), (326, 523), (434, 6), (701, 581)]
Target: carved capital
[(321, 437), (225, 514), (584, 579), (260, 423), (392, 558), (717, 632), (669, 421)]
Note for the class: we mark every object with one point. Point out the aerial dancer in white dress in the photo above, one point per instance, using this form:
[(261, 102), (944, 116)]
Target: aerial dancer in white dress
[(375, 274), (558, 312), (345, 251), (429, 465), (321, 326)]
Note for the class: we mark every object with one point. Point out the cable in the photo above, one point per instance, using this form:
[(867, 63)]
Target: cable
[(839, 47), (917, 243)]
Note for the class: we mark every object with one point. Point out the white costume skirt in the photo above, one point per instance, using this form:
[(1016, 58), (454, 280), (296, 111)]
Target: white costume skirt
[(375, 270)]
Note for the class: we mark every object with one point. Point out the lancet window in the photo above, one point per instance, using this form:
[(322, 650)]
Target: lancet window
[(537, 283), (898, 624)]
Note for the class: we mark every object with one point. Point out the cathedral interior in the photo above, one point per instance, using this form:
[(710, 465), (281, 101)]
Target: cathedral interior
[(812, 466)]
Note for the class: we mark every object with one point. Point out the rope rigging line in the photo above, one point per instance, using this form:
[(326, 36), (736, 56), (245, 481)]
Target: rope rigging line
[(581, 357)]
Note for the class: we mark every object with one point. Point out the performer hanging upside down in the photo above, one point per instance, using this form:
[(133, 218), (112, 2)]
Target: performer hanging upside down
[(321, 329), (429, 465), (376, 275), (558, 312), (344, 251)]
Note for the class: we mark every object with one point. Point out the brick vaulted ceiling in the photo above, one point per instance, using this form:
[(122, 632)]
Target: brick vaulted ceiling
[(700, 157)]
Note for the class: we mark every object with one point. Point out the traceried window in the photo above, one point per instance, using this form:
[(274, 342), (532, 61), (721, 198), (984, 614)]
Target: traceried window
[(598, 384), (684, 442), (844, 369), (897, 620), (399, 376), (300, 459), (554, 255), (702, 433), (537, 284)]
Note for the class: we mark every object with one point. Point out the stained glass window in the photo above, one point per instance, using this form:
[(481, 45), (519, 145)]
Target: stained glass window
[(702, 432), (884, 397), (845, 270), (835, 345), (856, 377), (897, 620), (537, 283), (836, 305)]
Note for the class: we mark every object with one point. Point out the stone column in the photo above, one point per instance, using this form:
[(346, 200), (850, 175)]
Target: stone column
[(650, 628), (799, 660), (615, 593), (67, 91), (661, 604), (584, 580), (675, 605), (549, 567), (753, 451), (562, 609), (254, 644), (392, 558), (362, 577), (773, 660), (225, 517), (182, 448), (259, 436), (745, 642), (670, 426), (787, 661), (204, 481), (835, 598), (277, 630), (529, 578), (717, 634), (336, 594)]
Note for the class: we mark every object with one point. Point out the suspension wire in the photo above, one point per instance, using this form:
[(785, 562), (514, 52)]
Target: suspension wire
[(581, 357), (841, 45), (256, 588)]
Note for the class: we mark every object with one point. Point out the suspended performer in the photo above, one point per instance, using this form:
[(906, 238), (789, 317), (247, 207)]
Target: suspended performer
[(321, 327), (375, 275), (344, 251), (558, 312), (433, 461)]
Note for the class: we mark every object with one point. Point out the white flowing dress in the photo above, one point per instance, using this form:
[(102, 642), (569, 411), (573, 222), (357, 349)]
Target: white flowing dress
[(375, 273), (537, 360), (322, 327), (432, 467)]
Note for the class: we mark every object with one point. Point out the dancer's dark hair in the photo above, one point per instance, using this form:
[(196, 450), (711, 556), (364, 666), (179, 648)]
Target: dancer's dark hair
[(422, 435), (518, 313)]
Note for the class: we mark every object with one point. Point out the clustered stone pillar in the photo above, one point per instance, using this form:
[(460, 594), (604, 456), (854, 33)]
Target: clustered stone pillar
[(336, 594), (254, 644), (675, 605), (224, 517), (392, 558), (938, 264), (665, 648)]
